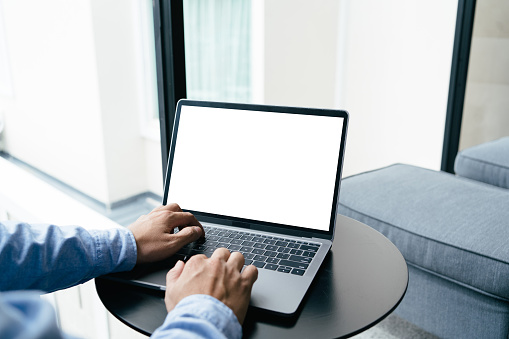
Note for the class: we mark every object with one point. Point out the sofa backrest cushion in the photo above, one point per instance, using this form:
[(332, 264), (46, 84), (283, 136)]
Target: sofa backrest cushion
[(488, 163)]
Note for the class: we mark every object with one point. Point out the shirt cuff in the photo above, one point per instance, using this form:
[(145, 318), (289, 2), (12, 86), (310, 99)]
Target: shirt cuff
[(115, 250), (203, 316)]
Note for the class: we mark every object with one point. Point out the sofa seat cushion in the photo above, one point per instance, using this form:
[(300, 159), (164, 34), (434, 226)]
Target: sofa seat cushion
[(450, 226), (488, 162)]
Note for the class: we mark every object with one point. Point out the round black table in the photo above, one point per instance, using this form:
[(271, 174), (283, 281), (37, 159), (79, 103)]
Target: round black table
[(362, 280)]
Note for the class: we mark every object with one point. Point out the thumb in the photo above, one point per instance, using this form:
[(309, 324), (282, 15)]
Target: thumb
[(174, 273), (188, 234)]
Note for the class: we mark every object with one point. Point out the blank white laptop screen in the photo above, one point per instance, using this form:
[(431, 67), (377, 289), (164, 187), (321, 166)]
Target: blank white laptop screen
[(271, 167)]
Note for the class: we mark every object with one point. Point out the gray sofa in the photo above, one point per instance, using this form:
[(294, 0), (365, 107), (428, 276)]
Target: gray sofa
[(453, 231)]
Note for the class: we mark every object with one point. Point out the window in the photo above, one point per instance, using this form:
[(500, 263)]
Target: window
[(387, 63)]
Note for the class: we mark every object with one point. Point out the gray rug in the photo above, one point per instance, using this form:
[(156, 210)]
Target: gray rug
[(394, 327)]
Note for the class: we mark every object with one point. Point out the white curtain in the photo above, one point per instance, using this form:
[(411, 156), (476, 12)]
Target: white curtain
[(217, 47)]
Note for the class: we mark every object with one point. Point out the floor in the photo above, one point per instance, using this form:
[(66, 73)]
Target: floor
[(393, 327)]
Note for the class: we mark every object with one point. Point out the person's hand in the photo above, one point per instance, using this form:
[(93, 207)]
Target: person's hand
[(218, 276), (154, 232)]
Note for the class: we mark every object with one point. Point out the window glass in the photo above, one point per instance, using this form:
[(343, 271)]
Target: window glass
[(485, 115)]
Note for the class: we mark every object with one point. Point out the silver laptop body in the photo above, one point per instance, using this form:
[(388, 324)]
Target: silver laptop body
[(262, 180)]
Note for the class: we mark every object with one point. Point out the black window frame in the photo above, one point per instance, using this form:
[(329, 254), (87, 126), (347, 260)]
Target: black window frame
[(458, 83)]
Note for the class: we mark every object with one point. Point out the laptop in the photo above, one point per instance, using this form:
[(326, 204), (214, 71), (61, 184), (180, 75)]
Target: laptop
[(262, 180)]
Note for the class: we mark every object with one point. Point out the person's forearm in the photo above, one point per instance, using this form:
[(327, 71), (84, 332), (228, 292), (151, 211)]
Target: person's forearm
[(199, 316), (48, 258)]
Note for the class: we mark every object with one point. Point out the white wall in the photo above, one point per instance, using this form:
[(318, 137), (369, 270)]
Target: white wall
[(75, 112)]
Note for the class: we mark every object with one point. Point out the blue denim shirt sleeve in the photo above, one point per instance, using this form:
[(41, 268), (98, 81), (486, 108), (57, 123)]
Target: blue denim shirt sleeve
[(49, 258), (199, 316)]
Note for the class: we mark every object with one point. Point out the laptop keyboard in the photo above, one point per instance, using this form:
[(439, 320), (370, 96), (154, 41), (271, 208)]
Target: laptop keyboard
[(266, 252)]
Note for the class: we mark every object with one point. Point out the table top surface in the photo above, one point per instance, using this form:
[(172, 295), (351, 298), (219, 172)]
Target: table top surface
[(362, 280)]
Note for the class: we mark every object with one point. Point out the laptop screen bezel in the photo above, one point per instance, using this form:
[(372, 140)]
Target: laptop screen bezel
[(255, 224)]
